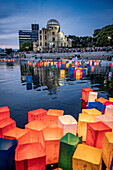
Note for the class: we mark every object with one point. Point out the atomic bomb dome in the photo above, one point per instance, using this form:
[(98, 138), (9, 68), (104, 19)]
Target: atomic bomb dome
[(51, 37), (53, 22)]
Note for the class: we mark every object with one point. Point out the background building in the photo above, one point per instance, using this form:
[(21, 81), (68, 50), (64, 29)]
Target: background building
[(29, 35), (51, 37)]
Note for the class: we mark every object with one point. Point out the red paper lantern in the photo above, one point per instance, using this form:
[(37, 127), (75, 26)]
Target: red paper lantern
[(4, 112), (6, 125), (95, 134), (30, 157), (39, 114), (85, 94)]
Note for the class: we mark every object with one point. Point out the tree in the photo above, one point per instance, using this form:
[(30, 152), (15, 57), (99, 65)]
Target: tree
[(8, 50), (101, 36), (26, 46)]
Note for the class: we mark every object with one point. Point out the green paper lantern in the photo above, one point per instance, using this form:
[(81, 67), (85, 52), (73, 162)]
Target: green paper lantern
[(68, 144)]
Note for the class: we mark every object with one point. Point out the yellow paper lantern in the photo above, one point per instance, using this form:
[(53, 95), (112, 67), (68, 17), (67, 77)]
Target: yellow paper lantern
[(110, 99), (82, 124), (87, 158), (93, 112), (107, 150)]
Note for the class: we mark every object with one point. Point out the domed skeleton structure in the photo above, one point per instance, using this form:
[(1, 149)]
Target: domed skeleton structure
[(51, 37)]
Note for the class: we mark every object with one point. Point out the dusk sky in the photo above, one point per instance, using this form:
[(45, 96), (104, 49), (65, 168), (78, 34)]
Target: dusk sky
[(76, 17)]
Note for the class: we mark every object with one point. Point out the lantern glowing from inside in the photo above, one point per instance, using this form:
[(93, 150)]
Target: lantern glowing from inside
[(111, 99), (105, 119), (7, 154), (95, 134), (6, 125), (82, 124), (52, 141), (4, 112), (93, 112), (78, 77), (107, 149), (62, 73), (97, 105), (92, 96), (39, 114), (101, 100), (15, 133), (30, 156), (68, 144), (68, 124), (87, 157), (85, 94), (37, 126), (109, 110), (52, 116), (92, 68)]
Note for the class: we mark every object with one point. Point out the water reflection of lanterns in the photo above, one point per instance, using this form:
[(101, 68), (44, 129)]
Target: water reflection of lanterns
[(62, 73), (92, 68)]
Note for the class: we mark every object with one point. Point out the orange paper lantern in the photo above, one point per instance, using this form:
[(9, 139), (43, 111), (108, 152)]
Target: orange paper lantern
[(101, 100), (52, 117), (15, 133), (39, 114), (95, 134), (52, 140)]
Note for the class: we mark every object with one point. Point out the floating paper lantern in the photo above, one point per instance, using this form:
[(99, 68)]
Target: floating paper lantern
[(15, 133), (7, 154), (68, 124), (101, 100), (109, 110), (85, 94), (87, 158), (29, 79), (111, 99), (39, 114), (6, 125), (30, 156), (93, 112), (97, 105), (37, 126), (78, 77), (4, 112), (52, 116), (52, 141), (92, 96), (82, 124), (105, 119), (95, 134), (107, 150), (68, 144)]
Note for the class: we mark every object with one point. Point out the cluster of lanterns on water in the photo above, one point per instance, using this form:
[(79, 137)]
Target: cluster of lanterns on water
[(51, 137)]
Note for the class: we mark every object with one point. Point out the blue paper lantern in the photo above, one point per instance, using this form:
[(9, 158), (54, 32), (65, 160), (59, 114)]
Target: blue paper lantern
[(7, 154), (97, 105)]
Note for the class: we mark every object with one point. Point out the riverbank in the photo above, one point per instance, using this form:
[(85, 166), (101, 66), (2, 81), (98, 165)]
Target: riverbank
[(85, 55)]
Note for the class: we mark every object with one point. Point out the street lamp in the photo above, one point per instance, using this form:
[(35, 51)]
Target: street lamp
[(109, 38)]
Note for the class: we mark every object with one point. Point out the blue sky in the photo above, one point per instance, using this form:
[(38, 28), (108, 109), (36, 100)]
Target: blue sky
[(76, 17)]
